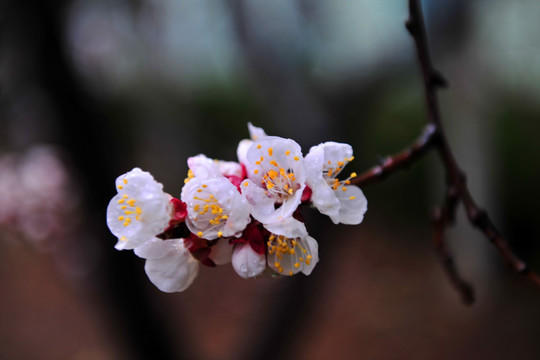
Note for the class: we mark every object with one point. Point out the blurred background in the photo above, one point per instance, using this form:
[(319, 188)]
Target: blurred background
[(91, 89)]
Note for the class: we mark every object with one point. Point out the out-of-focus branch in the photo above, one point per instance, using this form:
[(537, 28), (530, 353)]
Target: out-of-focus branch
[(434, 137)]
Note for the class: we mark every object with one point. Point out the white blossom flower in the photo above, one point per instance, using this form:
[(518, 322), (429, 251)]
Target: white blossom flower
[(276, 178), (284, 254), (215, 208), (290, 252), (169, 264), (140, 210), (342, 202)]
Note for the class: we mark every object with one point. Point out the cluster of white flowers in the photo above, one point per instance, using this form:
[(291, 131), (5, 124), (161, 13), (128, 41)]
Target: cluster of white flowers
[(244, 213)]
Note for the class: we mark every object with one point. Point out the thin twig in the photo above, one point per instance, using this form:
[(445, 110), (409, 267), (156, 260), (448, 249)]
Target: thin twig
[(401, 160), (441, 219), (434, 137)]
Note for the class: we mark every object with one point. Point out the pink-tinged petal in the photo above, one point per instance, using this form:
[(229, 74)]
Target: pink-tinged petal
[(230, 168), (353, 206), (246, 262), (175, 271)]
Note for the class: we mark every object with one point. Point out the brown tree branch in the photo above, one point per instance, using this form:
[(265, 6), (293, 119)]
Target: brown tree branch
[(434, 137)]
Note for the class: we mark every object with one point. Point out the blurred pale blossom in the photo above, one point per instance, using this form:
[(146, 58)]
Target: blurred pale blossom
[(37, 196)]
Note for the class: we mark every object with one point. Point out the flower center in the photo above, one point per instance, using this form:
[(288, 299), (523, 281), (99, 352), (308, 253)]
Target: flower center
[(131, 210), (330, 171), (280, 246), (208, 211), (280, 184)]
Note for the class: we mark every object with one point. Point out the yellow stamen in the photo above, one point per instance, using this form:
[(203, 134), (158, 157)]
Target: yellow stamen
[(288, 152), (220, 234), (259, 146), (270, 151), (199, 234), (352, 198), (296, 158)]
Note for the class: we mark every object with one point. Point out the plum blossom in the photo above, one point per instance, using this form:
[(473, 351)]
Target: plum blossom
[(276, 178), (267, 247), (215, 208), (140, 211), (169, 265), (342, 202)]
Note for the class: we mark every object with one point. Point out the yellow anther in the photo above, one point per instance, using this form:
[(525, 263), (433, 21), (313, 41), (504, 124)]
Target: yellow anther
[(273, 174), (138, 210), (261, 158), (131, 202), (123, 238), (125, 181), (330, 172), (297, 265), (220, 234), (276, 264), (199, 234), (290, 273), (259, 146), (204, 186), (196, 207), (340, 163), (128, 212), (351, 158), (256, 171), (308, 262), (125, 196), (353, 175), (199, 190), (123, 207), (290, 191), (270, 151), (338, 169), (329, 162), (121, 201), (257, 162), (246, 183), (347, 182), (296, 158), (120, 218), (120, 187), (309, 257), (272, 237), (344, 188), (269, 185), (282, 172), (288, 152), (273, 162), (352, 198), (225, 217), (291, 176)]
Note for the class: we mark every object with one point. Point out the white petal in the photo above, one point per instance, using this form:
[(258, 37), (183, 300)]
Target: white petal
[(351, 211), (288, 227), (175, 271), (221, 253), (228, 168), (246, 262), (255, 132), (140, 200), (241, 151), (313, 249), (203, 167), (154, 249)]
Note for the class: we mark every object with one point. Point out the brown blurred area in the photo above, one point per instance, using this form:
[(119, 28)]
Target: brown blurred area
[(91, 89)]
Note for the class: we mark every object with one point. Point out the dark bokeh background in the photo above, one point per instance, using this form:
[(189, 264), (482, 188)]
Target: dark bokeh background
[(90, 89)]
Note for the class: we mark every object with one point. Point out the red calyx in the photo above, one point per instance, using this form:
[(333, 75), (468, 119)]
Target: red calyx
[(255, 235), (199, 248)]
